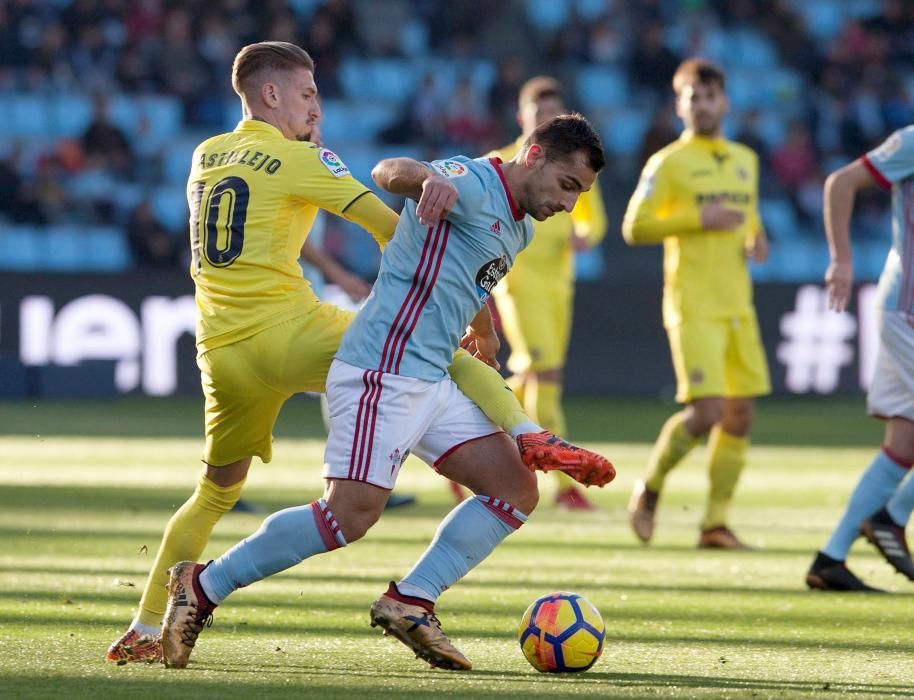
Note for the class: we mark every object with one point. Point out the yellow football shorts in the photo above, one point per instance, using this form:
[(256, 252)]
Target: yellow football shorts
[(246, 383), (719, 358), (536, 322)]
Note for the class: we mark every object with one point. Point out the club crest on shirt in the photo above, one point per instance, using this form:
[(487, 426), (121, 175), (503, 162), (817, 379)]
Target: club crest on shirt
[(333, 163), (489, 275), (450, 168)]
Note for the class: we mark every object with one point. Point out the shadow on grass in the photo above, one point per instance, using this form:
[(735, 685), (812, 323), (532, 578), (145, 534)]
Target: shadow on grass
[(335, 682), (251, 620)]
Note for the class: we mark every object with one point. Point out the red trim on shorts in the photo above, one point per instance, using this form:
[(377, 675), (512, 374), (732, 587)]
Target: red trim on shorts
[(900, 461), (323, 527), (516, 211), (374, 419), (874, 171), (451, 450), (358, 423), (358, 468)]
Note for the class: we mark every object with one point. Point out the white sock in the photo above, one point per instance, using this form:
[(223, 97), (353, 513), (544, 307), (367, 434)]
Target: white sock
[(414, 591), (144, 630), (528, 426)]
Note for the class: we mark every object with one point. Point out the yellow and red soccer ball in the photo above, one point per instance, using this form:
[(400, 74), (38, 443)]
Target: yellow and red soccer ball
[(562, 632)]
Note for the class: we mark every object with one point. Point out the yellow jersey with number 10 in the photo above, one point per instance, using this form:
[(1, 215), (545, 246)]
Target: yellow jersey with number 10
[(706, 274), (253, 196)]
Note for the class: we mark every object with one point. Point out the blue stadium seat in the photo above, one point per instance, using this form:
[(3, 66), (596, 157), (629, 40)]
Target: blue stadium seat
[(64, 249), (749, 49), (169, 203), (823, 18), (176, 160), (548, 14), (591, 9), (779, 219), (379, 79), (623, 130), (106, 249), (602, 87), (69, 115), (20, 246), (27, 115)]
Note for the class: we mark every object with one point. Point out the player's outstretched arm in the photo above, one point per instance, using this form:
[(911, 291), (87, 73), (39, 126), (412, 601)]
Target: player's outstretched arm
[(410, 178), (839, 192), (334, 273), (369, 212)]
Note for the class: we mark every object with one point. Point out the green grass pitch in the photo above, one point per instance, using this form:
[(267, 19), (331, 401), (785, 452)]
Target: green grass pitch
[(85, 490)]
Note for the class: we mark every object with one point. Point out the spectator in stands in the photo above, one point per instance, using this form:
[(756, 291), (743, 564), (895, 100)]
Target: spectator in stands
[(794, 161), (105, 145), (18, 201), (652, 64), (150, 244)]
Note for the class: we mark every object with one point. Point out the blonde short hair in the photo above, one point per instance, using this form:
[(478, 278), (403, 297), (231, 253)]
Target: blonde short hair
[(267, 55)]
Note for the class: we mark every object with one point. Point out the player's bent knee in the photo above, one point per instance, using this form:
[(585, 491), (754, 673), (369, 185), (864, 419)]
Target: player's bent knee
[(527, 493), (354, 524)]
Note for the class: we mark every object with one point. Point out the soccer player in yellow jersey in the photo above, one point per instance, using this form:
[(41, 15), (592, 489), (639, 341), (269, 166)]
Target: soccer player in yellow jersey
[(699, 198), (262, 335), (535, 300)]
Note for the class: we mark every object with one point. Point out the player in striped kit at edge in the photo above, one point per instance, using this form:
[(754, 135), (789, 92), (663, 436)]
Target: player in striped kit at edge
[(881, 503), (389, 393)]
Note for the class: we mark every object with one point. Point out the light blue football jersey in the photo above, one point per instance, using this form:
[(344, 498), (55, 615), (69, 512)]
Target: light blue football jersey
[(892, 166), (434, 279)]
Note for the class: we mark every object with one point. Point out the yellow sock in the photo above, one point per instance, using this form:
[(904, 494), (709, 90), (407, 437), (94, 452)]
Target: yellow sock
[(486, 388), (543, 401), (726, 457), (673, 443), (517, 384), (185, 538)]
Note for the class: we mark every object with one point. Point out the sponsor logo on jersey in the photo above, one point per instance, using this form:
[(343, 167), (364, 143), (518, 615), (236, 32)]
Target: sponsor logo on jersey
[(741, 173), (333, 163), (495, 228), (489, 275), (888, 148), (450, 168)]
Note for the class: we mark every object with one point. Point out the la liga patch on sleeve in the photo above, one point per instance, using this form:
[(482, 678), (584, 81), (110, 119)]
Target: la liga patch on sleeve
[(450, 168), (333, 163)]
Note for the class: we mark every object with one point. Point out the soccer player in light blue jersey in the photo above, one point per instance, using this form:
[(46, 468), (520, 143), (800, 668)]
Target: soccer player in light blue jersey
[(882, 501), (389, 393)]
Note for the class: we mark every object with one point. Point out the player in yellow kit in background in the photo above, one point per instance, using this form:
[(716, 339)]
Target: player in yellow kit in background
[(262, 335), (699, 197), (535, 300)]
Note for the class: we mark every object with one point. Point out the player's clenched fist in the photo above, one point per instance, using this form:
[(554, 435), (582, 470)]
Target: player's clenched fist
[(839, 279), (717, 217), (438, 198)]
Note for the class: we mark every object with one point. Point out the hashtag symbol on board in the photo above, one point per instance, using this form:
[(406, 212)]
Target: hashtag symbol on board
[(815, 343)]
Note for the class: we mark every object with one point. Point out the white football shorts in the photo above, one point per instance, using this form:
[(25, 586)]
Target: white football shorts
[(891, 392), (377, 419)]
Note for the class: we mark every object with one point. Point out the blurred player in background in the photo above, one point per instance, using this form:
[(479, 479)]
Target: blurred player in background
[(535, 300), (881, 503), (699, 197), (262, 335), (390, 394)]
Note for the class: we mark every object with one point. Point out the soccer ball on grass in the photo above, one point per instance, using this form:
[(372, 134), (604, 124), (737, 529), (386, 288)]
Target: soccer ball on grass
[(562, 632)]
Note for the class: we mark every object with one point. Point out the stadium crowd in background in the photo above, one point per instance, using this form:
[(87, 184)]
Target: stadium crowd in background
[(847, 74)]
